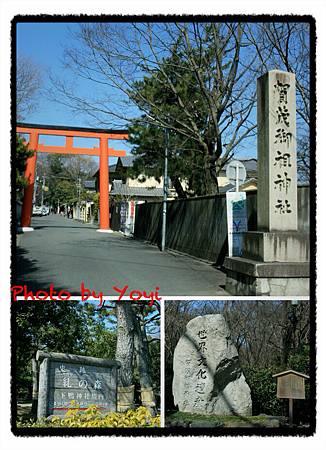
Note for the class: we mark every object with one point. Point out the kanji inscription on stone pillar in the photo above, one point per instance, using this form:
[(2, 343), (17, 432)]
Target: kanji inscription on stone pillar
[(277, 161)]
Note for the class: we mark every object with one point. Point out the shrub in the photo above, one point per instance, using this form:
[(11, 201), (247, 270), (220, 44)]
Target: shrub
[(92, 418), (263, 391)]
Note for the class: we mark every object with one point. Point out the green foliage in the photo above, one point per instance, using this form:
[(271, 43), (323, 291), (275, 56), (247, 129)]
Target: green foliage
[(155, 359), (70, 327), (61, 188), (263, 386), (62, 174), (263, 391), (96, 200), (49, 326), (299, 360), (100, 342), (186, 159), (92, 418), (22, 153)]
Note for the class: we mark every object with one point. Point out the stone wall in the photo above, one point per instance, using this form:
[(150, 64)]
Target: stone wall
[(197, 226)]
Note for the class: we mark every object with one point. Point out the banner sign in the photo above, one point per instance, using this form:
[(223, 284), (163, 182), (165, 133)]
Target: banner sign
[(236, 220)]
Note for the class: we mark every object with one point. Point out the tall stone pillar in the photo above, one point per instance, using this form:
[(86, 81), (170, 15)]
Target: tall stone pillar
[(277, 161), (275, 258)]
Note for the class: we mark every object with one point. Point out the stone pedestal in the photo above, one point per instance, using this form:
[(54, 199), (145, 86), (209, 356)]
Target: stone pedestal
[(275, 259), (249, 277)]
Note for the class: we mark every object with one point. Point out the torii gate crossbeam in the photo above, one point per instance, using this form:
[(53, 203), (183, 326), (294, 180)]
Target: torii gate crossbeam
[(103, 151)]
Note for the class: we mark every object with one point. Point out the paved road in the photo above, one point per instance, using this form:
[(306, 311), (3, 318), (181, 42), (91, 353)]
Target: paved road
[(64, 252)]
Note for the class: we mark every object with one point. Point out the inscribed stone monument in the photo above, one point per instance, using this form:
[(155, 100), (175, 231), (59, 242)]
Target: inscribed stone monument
[(207, 376), (84, 379), (277, 159), (275, 258)]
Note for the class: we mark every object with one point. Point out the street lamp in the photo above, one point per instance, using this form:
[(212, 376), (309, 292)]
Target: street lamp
[(78, 194), (165, 184)]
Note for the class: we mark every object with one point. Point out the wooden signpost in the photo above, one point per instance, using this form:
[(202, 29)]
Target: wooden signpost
[(291, 385)]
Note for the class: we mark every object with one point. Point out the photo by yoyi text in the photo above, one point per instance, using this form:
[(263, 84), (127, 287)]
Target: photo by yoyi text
[(22, 292)]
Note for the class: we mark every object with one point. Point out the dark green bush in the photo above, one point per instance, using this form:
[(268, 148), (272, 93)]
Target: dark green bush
[(263, 391)]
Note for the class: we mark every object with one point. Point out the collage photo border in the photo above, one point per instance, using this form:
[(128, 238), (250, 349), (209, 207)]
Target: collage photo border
[(163, 431)]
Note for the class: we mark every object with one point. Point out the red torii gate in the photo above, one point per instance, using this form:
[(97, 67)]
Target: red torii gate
[(103, 151)]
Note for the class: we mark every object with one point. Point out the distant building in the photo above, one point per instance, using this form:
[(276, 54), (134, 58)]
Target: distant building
[(151, 189), (123, 186), (142, 188), (126, 192), (140, 193), (250, 183)]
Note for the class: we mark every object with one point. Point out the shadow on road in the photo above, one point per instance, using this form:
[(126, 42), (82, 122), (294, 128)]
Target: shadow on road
[(27, 272)]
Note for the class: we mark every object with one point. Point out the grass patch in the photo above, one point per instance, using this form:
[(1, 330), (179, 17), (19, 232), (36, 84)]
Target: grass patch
[(192, 417)]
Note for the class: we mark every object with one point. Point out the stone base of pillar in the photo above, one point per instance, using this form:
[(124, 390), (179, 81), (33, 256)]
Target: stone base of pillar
[(25, 229), (104, 231), (250, 277), (279, 246)]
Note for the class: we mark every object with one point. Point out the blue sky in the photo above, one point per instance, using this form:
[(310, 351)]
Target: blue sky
[(44, 43)]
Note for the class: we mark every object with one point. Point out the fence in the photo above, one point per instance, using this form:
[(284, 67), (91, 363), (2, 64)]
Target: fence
[(197, 226)]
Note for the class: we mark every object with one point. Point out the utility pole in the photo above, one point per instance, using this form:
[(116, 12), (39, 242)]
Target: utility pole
[(78, 193), (165, 187), (35, 188), (43, 186)]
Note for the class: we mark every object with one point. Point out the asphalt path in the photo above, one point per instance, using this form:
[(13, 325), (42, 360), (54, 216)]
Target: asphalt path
[(66, 253)]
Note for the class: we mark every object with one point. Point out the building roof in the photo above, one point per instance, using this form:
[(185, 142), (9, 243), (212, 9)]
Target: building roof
[(287, 372), (112, 169), (128, 191), (231, 187), (127, 161), (249, 163)]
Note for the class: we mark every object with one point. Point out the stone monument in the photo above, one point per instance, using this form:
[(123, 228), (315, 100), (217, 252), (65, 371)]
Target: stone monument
[(275, 259), (84, 379), (207, 377)]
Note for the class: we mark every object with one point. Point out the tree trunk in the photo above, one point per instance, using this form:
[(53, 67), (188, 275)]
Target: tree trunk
[(178, 186), (288, 335), (125, 345), (211, 185), (143, 363), (210, 159)]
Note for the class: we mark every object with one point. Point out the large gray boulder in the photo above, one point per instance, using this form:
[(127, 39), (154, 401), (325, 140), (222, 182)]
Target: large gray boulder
[(207, 375)]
